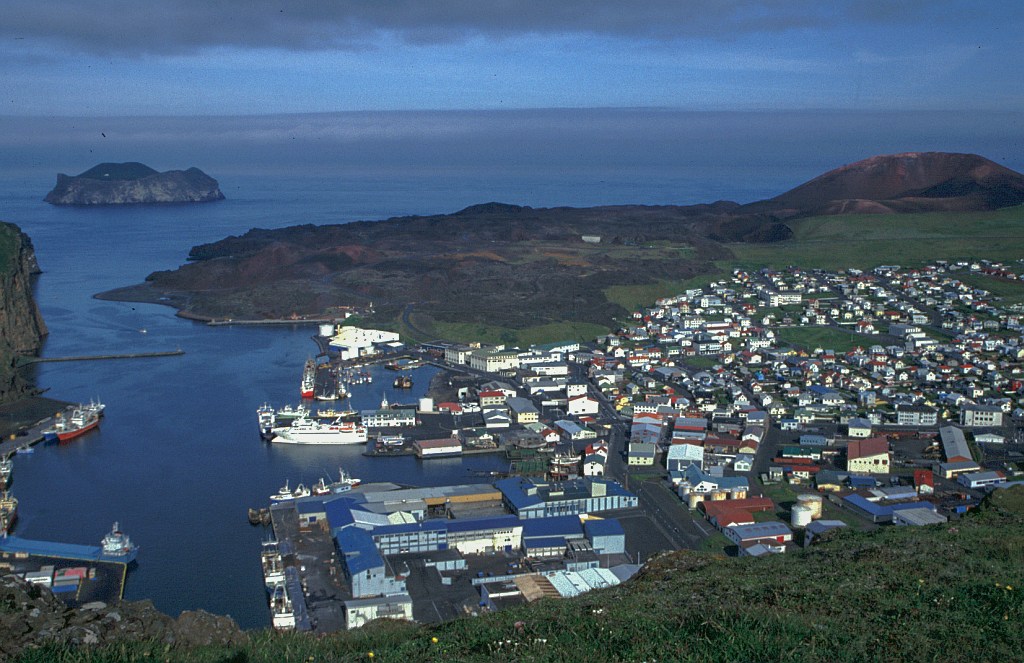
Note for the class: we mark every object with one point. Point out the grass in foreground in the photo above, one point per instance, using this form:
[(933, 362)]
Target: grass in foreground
[(895, 593)]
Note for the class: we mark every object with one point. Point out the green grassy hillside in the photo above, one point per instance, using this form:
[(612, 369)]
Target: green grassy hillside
[(897, 594), (867, 240)]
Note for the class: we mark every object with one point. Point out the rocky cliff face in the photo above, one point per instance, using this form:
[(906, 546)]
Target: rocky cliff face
[(21, 326), (31, 616), (133, 184)]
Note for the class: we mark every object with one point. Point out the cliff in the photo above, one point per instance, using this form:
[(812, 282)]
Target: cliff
[(21, 325), (133, 184)]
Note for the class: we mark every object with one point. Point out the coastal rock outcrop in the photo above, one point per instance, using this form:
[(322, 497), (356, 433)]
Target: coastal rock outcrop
[(21, 326), (133, 184), (31, 616)]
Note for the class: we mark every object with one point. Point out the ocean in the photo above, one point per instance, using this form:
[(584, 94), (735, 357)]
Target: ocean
[(178, 460)]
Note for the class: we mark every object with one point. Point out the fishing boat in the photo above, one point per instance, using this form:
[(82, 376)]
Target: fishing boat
[(273, 565), (285, 493), (287, 414), (311, 431), (283, 617), (344, 483), (308, 378), (6, 470), (8, 512), (83, 418), (266, 419), (118, 547), (403, 382)]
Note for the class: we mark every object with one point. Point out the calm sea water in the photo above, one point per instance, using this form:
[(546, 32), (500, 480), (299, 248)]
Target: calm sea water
[(178, 460)]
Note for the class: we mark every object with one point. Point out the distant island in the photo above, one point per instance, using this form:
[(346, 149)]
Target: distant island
[(133, 183), (561, 272)]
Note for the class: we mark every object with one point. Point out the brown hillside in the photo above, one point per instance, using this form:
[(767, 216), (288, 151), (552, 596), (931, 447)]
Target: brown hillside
[(910, 182)]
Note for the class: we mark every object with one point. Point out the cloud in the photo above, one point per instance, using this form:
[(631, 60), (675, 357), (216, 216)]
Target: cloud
[(130, 27)]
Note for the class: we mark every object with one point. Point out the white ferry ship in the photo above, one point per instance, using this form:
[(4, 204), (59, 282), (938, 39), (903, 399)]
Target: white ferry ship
[(310, 431)]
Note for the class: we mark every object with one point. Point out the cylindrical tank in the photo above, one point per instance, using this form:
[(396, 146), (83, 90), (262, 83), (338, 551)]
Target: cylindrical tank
[(327, 330), (718, 495), (426, 404), (739, 494), (801, 516), (684, 489), (693, 499), (811, 501)]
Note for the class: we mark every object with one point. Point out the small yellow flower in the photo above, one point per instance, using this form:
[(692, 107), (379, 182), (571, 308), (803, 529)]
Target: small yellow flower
[(434, 640), (369, 654), (920, 581), (1009, 588)]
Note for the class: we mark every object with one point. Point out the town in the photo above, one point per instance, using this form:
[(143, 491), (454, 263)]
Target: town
[(746, 417)]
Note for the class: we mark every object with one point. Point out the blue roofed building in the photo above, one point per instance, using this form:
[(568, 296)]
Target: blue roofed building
[(535, 499), (606, 536), (364, 565)]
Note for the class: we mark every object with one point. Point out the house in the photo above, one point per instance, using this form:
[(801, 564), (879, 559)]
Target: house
[(593, 465), (869, 456), (581, 405), (743, 463), (523, 410), (642, 453), (924, 482), (858, 427)]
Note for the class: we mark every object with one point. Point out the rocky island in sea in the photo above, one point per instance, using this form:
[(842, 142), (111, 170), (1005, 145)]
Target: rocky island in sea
[(133, 183)]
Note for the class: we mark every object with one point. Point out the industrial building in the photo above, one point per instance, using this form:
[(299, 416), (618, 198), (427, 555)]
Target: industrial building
[(535, 499)]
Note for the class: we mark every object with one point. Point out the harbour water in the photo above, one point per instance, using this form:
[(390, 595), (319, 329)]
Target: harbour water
[(178, 459)]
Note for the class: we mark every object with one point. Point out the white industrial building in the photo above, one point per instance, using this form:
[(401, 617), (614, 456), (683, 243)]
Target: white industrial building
[(352, 342)]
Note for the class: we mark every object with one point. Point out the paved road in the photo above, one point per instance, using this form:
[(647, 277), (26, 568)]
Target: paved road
[(671, 515)]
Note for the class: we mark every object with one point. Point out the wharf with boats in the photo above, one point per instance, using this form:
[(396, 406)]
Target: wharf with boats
[(78, 574)]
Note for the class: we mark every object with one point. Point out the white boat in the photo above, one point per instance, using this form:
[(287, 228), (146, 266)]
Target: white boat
[(285, 493), (281, 608), (310, 431), (266, 417), (344, 483), (273, 566), (6, 469)]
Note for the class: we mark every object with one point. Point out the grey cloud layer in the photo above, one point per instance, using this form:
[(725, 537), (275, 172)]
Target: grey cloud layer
[(186, 26)]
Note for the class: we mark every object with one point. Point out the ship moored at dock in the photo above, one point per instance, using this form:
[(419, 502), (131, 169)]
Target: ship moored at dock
[(311, 431), (115, 547)]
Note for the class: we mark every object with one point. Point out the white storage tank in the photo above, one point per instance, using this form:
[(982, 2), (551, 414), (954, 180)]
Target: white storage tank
[(693, 499), (801, 516), (718, 495), (327, 330), (811, 501), (738, 494), (426, 405)]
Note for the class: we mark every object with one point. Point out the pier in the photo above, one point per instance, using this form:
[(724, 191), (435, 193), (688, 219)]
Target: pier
[(130, 355)]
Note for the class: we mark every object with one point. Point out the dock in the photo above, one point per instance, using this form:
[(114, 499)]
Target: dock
[(97, 579)]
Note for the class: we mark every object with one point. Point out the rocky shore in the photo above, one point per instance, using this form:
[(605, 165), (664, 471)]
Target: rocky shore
[(31, 616)]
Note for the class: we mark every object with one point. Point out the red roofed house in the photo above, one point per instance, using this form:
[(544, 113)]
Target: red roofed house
[(727, 513), (924, 482), (492, 398), (870, 456)]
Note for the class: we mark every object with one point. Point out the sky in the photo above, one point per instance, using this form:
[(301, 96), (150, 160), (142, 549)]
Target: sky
[(255, 57)]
